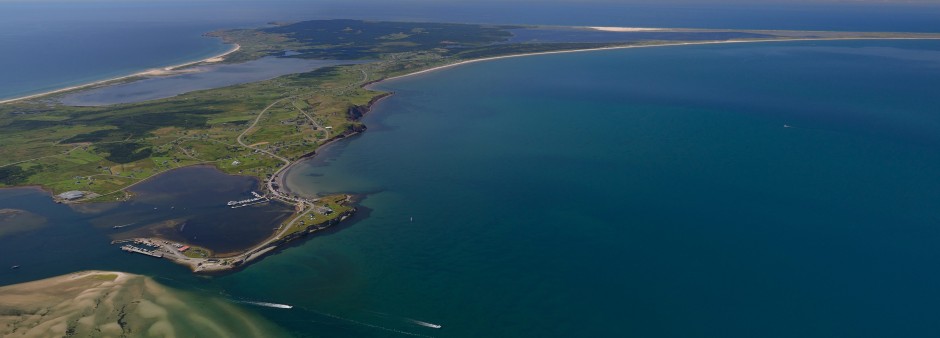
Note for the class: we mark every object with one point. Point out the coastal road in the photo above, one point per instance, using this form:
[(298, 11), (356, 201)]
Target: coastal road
[(252, 126), (287, 163)]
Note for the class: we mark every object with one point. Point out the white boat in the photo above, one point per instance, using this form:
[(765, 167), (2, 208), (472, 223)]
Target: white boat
[(265, 304), (426, 324)]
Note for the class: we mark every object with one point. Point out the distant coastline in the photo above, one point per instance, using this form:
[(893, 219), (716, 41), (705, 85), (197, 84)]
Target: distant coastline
[(640, 46), (280, 177), (150, 72)]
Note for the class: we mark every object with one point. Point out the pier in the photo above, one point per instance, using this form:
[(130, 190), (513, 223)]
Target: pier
[(134, 249), (243, 203)]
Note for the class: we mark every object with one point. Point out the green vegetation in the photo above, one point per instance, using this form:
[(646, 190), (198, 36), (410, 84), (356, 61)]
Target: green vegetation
[(354, 39), (104, 150), (197, 252), (327, 209)]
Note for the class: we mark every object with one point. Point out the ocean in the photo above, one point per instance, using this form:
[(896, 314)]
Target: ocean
[(56, 44), (738, 190), (646, 192)]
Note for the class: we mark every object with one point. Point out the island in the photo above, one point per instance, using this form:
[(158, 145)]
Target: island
[(92, 154)]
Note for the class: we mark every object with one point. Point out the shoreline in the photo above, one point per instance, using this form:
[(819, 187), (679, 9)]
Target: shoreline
[(671, 44), (150, 72), (281, 174), (279, 178)]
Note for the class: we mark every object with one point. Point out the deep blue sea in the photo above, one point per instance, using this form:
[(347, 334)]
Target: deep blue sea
[(737, 190)]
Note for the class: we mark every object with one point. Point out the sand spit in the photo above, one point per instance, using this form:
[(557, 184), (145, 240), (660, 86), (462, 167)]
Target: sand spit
[(171, 70), (116, 304), (626, 29)]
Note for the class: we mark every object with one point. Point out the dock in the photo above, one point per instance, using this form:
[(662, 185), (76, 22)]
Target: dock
[(134, 249), (257, 199)]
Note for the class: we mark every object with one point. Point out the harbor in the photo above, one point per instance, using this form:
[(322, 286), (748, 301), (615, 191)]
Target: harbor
[(134, 249), (317, 217)]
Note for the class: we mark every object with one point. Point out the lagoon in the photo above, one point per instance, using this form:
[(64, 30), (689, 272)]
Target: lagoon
[(187, 204), (193, 79)]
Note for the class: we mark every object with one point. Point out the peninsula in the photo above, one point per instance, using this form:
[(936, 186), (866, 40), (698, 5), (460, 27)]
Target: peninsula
[(260, 129)]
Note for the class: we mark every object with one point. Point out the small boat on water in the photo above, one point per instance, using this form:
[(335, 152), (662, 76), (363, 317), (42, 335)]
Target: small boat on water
[(14, 267), (426, 324), (786, 126), (265, 304)]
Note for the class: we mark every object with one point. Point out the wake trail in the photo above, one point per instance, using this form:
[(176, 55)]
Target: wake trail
[(425, 324), (367, 324), (265, 304)]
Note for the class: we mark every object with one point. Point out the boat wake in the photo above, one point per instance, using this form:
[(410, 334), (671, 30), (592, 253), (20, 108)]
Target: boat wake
[(368, 325), (425, 324), (265, 304)]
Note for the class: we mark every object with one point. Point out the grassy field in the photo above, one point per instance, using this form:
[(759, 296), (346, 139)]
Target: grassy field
[(335, 205), (105, 149)]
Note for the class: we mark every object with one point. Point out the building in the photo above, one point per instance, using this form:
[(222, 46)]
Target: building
[(71, 195)]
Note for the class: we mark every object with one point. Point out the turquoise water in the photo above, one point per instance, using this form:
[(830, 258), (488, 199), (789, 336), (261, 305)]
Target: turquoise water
[(647, 192)]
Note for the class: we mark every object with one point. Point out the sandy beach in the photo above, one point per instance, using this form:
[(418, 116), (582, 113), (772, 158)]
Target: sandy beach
[(626, 29), (639, 46), (151, 72)]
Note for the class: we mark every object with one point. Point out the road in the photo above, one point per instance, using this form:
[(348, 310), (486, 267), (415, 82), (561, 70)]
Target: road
[(287, 163)]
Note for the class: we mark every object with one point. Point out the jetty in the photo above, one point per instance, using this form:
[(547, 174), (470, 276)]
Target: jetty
[(258, 198), (134, 249)]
